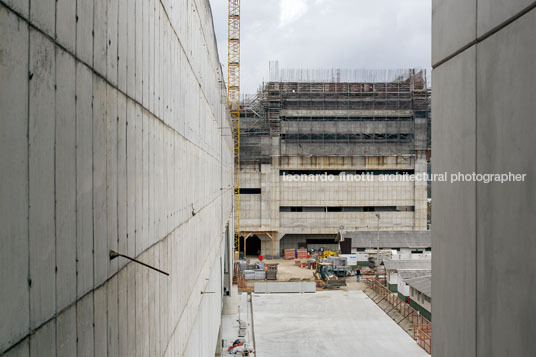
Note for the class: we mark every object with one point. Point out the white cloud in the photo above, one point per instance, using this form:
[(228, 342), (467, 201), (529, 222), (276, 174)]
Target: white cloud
[(327, 34), (291, 10)]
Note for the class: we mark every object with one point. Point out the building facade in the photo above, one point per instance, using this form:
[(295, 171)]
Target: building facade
[(114, 135), (483, 54), (314, 155)]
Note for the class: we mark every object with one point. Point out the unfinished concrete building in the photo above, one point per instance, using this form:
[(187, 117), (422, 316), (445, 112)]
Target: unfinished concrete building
[(114, 135), (307, 136)]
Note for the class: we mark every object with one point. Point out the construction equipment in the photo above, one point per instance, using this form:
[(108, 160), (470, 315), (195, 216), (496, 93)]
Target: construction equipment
[(233, 97), (324, 271), (328, 253)]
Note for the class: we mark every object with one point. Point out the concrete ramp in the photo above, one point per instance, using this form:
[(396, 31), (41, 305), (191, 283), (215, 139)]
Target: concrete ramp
[(285, 287)]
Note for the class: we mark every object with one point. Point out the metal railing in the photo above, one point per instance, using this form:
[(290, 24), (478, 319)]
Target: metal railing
[(422, 327)]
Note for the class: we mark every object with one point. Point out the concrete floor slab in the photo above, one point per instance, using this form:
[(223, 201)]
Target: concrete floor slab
[(328, 323)]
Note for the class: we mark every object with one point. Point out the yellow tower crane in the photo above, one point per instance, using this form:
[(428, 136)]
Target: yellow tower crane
[(233, 97)]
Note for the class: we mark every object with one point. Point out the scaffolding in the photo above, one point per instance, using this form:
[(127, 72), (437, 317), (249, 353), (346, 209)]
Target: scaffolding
[(338, 112)]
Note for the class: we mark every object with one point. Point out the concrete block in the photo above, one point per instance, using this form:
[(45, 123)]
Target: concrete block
[(112, 41), (84, 179), (156, 305), (447, 39), (122, 312), (111, 174), (41, 166), (454, 244), (157, 46), (145, 331), (163, 283), (101, 321), (66, 24), (65, 179), (505, 221), (100, 235), (84, 326), (121, 176), (43, 341), (151, 50), (145, 181), (14, 294), (145, 52), (138, 126), (152, 307), (131, 178), (139, 309), (113, 316), (131, 48), (151, 179), (131, 310), (84, 31), (122, 44), (66, 332), (285, 287), (100, 38), (42, 15), (492, 13), (139, 49)]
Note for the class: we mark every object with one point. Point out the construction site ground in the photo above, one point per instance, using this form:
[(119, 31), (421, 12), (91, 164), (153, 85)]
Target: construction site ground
[(327, 323), (288, 271)]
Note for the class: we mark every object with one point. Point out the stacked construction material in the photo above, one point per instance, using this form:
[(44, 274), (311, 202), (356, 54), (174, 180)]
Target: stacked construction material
[(271, 275), (290, 254), (271, 271), (260, 275), (249, 274), (302, 253), (256, 274)]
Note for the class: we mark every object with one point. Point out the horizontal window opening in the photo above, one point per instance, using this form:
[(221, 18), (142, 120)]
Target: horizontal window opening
[(347, 118), (347, 172), (349, 138), (250, 191), (346, 208)]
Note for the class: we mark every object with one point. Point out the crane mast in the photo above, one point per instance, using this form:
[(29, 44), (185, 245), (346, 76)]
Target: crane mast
[(233, 96)]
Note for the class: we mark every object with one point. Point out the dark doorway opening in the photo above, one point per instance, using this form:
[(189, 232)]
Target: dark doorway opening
[(346, 246), (253, 245)]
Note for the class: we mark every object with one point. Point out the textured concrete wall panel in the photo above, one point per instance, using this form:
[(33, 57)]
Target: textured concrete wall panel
[(41, 183), (65, 179), (84, 179), (66, 24), (112, 144), (454, 243), (100, 235), (108, 164), (42, 15), (85, 345), (100, 305), (14, 294), (122, 44), (100, 35), (112, 44), (505, 143), (492, 13), (84, 31), (66, 332)]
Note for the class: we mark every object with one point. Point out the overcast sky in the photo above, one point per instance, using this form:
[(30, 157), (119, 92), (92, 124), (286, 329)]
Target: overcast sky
[(325, 34)]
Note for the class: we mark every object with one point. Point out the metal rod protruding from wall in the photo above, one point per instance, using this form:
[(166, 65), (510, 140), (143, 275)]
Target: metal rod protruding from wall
[(114, 254)]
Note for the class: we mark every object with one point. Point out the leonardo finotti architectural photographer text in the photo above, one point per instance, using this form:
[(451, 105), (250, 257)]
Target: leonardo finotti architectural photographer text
[(419, 177)]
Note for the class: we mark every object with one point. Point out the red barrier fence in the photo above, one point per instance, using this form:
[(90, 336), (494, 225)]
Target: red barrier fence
[(422, 328)]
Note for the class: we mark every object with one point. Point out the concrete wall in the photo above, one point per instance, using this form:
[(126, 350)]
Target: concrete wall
[(483, 110), (261, 212), (113, 130)]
